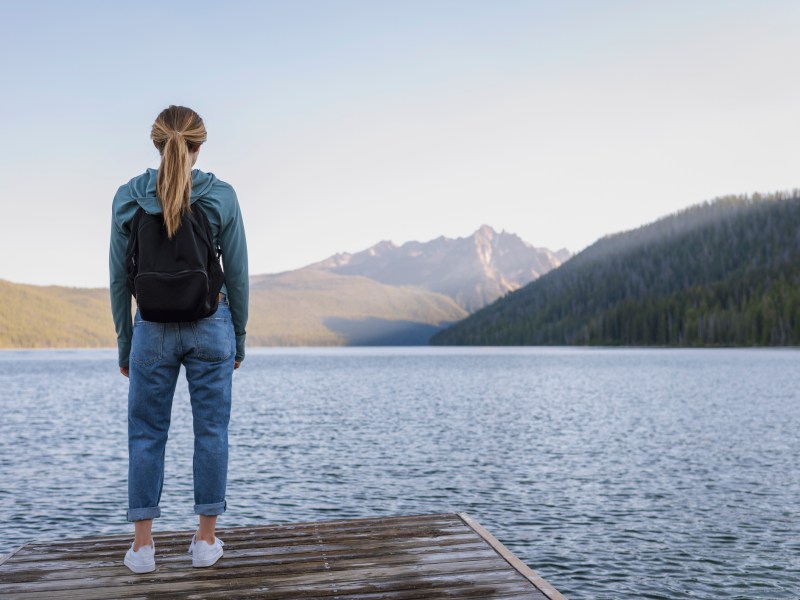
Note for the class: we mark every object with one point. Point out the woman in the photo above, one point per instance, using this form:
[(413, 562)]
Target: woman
[(151, 354)]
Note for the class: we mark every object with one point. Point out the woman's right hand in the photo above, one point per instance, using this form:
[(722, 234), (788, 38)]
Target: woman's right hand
[(125, 371)]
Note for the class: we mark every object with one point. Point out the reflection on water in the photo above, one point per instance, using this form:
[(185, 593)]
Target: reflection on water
[(614, 473)]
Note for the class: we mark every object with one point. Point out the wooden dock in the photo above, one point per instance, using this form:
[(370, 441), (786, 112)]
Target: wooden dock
[(390, 558)]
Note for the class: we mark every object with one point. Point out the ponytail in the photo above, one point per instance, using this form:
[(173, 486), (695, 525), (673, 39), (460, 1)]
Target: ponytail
[(177, 132)]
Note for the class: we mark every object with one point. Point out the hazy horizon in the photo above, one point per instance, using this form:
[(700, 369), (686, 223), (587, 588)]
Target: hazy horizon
[(343, 124), (252, 274)]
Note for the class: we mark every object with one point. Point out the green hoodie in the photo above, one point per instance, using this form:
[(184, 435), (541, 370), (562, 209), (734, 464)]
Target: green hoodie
[(218, 201)]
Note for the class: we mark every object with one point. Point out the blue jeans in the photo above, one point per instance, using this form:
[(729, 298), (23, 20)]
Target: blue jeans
[(207, 349)]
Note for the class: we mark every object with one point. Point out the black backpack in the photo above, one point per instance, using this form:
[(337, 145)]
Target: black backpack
[(173, 280)]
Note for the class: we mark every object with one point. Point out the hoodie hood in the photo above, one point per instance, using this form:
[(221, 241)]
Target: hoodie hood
[(142, 189)]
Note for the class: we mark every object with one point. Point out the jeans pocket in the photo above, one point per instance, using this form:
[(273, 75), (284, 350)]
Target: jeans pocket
[(147, 345), (214, 337)]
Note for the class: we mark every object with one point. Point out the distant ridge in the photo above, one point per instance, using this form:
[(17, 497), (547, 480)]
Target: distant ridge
[(313, 309), (52, 316), (721, 273), (473, 270), (317, 308)]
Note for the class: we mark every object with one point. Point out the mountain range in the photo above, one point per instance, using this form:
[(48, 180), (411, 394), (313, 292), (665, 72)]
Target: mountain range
[(474, 271), (721, 273), (384, 295), (390, 294)]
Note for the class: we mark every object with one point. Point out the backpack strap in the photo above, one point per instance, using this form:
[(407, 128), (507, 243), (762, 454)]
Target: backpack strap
[(134, 226), (216, 275), (205, 230), (132, 249)]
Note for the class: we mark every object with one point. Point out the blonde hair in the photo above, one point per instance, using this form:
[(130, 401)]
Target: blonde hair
[(177, 132)]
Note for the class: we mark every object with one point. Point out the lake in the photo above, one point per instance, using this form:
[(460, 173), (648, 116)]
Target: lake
[(614, 473)]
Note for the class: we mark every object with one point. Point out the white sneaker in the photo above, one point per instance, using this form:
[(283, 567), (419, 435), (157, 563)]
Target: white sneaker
[(143, 560), (203, 553)]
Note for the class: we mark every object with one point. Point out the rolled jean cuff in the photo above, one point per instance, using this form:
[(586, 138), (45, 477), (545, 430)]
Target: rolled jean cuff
[(210, 510), (143, 514)]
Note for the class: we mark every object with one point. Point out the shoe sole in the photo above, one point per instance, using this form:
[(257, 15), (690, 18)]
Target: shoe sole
[(207, 562), (140, 568)]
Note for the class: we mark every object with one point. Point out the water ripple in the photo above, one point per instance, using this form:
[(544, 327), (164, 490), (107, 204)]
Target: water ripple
[(614, 473)]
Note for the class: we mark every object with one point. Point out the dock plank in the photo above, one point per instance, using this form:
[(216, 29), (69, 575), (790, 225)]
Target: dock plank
[(393, 558), (253, 555)]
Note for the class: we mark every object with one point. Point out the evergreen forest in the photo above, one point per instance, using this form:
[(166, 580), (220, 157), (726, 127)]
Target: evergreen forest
[(722, 273)]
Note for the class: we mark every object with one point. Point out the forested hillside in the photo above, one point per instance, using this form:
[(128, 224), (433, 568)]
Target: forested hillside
[(724, 273), (54, 317), (318, 308)]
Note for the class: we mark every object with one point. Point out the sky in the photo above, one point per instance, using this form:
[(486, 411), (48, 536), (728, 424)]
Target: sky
[(342, 123)]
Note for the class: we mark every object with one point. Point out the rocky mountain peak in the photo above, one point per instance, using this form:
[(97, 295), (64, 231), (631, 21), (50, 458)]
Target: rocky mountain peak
[(474, 271), (485, 231)]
